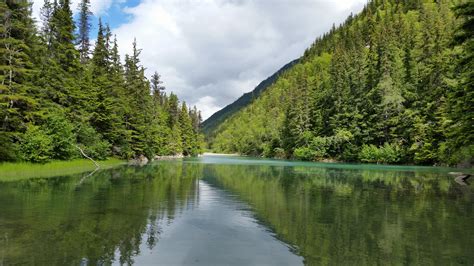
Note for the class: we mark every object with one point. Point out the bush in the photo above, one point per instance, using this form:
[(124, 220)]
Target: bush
[(36, 145), (303, 153), (60, 130), (350, 153), (92, 143), (319, 146), (317, 149), (388, 153), (423, 153), (338, 143)]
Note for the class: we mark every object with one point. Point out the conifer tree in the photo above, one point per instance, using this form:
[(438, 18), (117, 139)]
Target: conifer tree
[(83, 30), (187, 136), (16, 104), (156, 88), (460, 113), (63, 45), (46, 17), (100, 54)]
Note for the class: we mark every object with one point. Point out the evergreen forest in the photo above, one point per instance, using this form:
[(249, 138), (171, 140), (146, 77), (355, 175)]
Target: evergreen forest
[(61, 93), (392, 84)]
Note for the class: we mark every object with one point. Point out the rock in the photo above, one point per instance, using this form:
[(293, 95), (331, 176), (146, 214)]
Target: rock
[(455, 173), (140, 160), (168, 157)]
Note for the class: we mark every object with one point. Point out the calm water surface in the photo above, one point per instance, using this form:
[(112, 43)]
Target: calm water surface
[(239, 211)]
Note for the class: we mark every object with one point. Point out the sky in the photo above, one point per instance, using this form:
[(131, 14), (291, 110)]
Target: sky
[(210, 52)]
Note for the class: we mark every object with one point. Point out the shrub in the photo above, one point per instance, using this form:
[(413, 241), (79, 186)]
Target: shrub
[(303, 153), (423, 153), (369, 154), (350, 153), (317, 149), (319, 146), (36, 145), (388, 153), (60, 130), (92, 143)]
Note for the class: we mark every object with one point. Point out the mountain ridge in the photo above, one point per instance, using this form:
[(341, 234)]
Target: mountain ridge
[(211, 124)]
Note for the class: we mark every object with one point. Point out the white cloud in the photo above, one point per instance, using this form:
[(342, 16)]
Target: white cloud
[(208, 105), (98, 7), (209, 52)]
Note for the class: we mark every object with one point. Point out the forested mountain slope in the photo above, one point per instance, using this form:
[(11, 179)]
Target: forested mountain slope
[(393, 84), (57, 94), (212, 123)]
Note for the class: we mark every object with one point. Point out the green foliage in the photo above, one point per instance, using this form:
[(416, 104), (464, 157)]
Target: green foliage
[(36, 145), (387, 75), (91, 142), (388, 153), (17, 45), (60, 131), (304, 153), (9, 150)]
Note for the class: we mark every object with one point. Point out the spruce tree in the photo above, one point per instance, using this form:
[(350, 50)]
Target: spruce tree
[(83, 30), (187, 132), (63, 45), (460, 111), (139, 110), (16, 104), (156, 88)]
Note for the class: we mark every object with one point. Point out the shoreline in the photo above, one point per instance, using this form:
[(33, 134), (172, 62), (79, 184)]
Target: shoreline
[(24, 170), (219, 154)]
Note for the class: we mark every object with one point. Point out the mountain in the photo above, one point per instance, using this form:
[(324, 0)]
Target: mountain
[(392, 84), (211, 124)]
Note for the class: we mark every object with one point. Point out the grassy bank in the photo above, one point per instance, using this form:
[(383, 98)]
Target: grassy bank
[(23, 170)]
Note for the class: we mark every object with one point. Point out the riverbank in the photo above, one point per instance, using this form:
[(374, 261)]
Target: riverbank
[(220, 154), (24, 170)]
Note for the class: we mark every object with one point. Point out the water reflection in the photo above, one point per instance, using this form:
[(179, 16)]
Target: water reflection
[(236, 211), (61, 221), (358, 216)]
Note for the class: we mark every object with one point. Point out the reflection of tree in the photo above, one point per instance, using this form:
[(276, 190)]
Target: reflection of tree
[(54, 222), (342, 216)]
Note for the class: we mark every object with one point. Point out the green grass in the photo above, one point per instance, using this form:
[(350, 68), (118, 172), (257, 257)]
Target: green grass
[(24, 170)]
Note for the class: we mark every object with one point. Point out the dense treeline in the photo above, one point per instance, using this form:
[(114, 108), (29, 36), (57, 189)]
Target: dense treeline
[(57, 95), (393, 84)]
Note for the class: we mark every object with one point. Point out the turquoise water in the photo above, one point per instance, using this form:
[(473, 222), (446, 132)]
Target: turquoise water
[(217, 210)]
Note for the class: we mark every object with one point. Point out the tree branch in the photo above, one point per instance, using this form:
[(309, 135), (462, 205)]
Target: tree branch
[(85, 155)]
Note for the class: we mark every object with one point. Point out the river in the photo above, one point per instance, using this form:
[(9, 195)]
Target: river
[(218, 210)]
